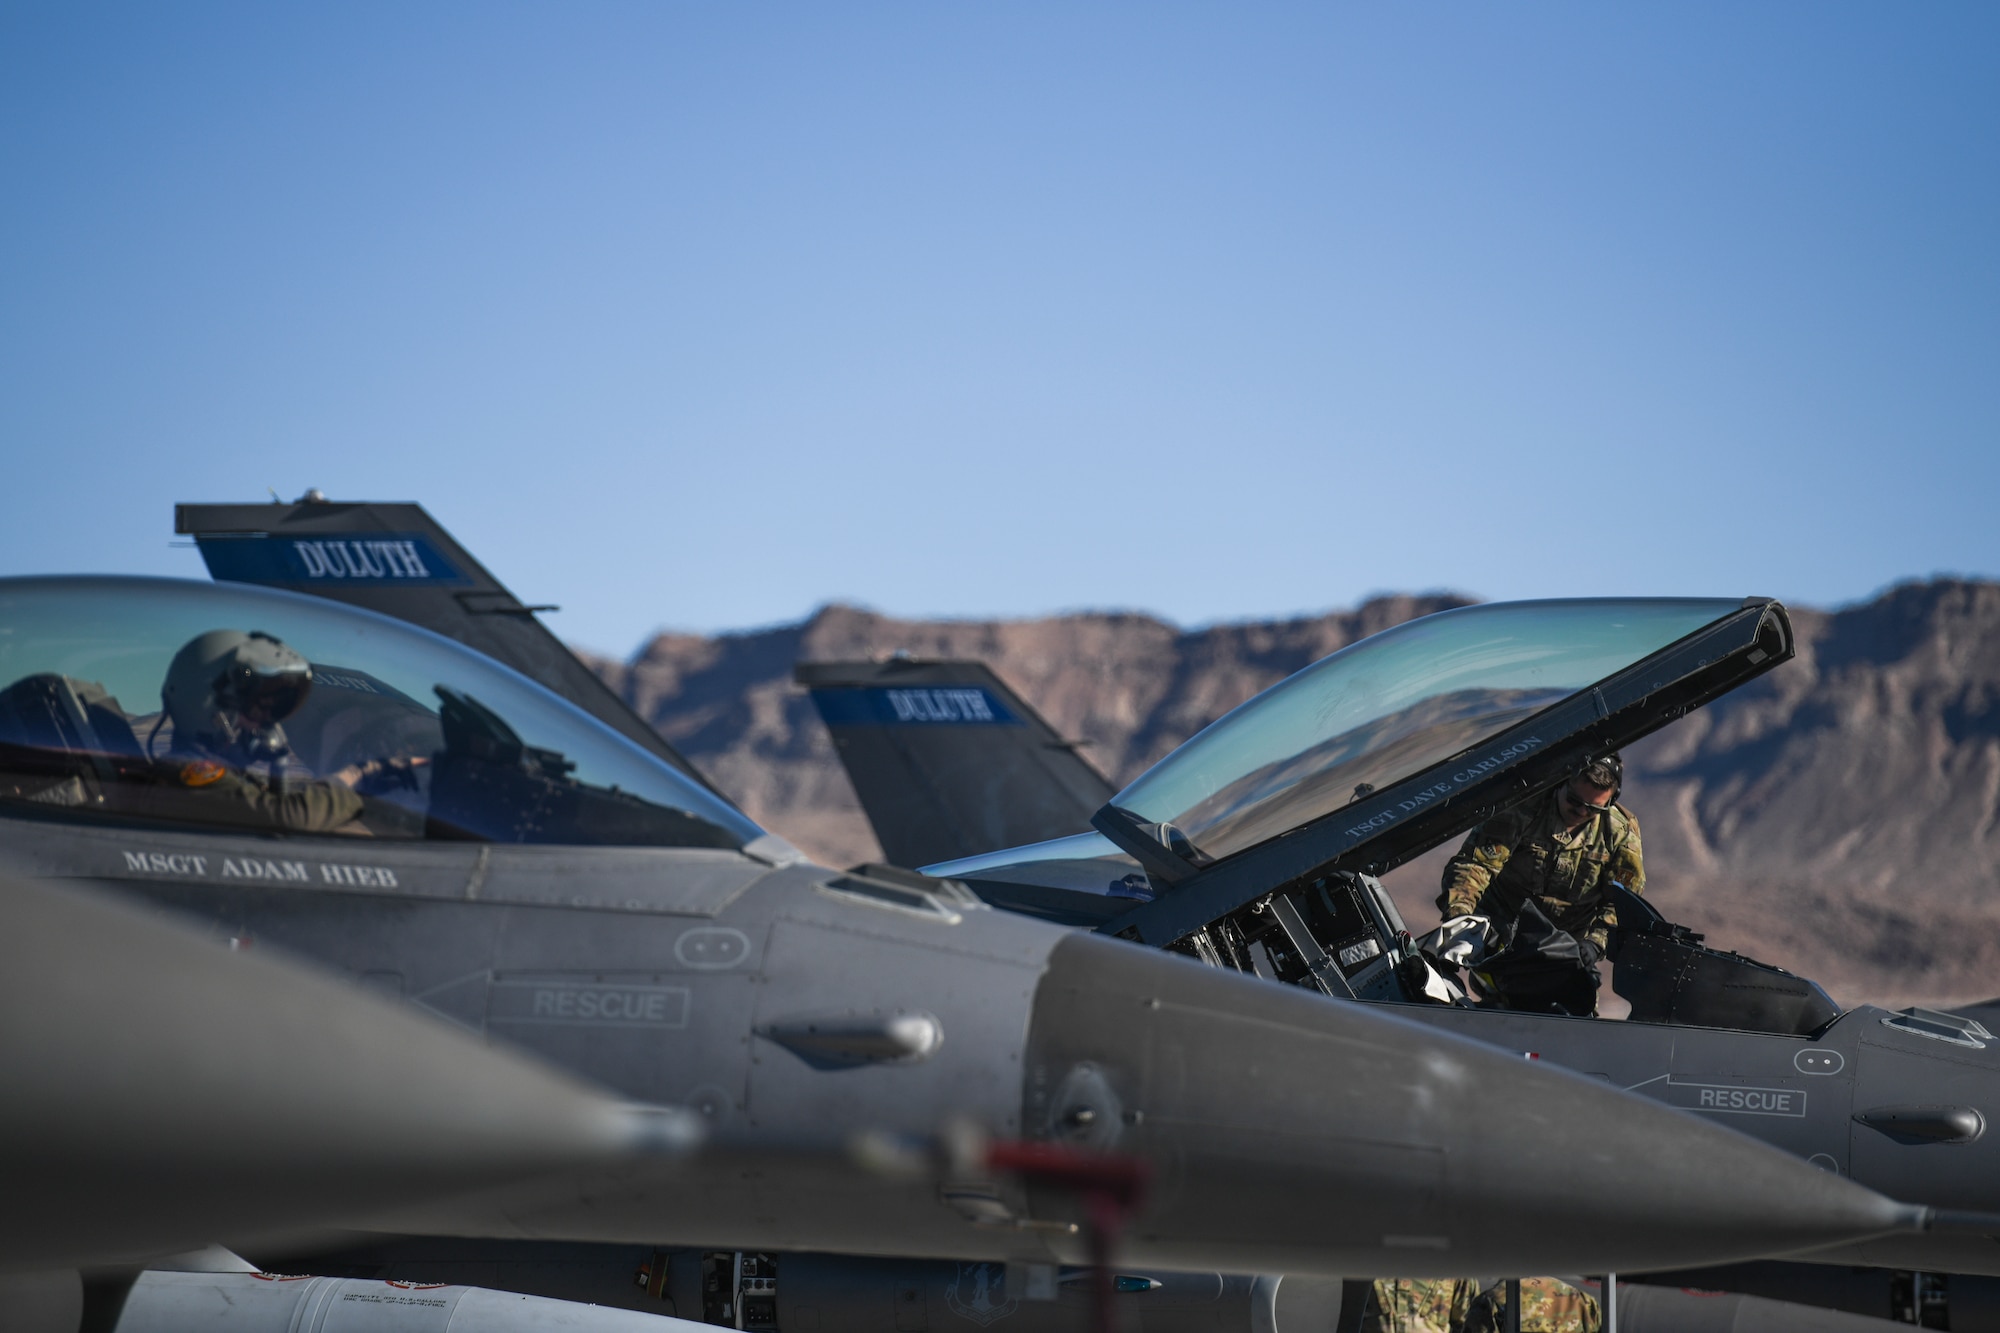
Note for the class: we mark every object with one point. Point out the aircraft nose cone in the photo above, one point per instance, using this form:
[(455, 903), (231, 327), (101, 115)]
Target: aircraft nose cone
[(1333, 1137), (156, 1092)]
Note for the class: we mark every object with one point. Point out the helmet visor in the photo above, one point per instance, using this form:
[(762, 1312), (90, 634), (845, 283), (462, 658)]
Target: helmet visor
[(268, 696)]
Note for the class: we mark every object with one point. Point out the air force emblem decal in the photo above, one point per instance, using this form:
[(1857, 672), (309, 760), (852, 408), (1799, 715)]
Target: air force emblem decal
[(979, 1293)]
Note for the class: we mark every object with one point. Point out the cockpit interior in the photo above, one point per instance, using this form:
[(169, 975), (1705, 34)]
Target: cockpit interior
[(1257, 844), (384, 731)]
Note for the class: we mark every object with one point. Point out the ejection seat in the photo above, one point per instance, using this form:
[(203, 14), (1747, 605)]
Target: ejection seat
[(62, 741), (1669, 976)]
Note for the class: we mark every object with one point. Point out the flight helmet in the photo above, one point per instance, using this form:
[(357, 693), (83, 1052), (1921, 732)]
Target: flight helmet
[(228, 691)]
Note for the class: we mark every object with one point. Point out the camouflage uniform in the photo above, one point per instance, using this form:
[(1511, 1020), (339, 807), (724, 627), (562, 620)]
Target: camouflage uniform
[(1547, 1306), (231, 795), (1526, 853), (1419, 1305)]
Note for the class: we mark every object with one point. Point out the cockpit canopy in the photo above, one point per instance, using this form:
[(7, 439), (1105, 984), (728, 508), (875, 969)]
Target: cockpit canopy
[(1377, 752), (1392, 705), (400, 733)]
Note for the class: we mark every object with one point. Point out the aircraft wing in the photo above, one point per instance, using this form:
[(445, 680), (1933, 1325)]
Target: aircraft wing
[(948, 761)]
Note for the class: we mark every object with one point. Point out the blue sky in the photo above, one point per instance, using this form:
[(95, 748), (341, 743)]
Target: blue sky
[(702, 315)]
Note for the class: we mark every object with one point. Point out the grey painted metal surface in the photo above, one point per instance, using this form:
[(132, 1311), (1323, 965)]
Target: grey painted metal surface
[(670, 1008), (1402, 1146), (1808, 1096), (159, 1089)]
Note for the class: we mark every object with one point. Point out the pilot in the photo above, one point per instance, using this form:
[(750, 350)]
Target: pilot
[(1560, 851), (228, 694)]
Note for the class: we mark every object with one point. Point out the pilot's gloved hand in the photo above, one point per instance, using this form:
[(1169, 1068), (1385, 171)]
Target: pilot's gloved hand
[(1463, 941), (1589, 954), (375, 776)]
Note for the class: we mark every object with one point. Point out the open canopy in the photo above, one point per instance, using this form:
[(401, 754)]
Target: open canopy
[(1383, 749), (1392, 705), (1380, 751)]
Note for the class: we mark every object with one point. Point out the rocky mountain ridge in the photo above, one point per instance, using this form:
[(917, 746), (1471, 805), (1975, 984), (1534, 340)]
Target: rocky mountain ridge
[(1839, 816)]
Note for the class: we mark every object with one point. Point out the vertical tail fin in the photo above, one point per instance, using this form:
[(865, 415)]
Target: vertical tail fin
[(398, 560), (948, 761)]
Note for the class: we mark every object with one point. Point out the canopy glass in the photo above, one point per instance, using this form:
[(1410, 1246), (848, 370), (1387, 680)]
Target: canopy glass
[(1392, 705), (382, 730)]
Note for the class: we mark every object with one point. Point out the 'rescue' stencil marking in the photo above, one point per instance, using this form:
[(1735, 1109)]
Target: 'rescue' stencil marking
[(1731, 1098), (587, 1004)]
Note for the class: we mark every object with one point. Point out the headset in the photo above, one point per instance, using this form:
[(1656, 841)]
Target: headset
[(1604, 771)]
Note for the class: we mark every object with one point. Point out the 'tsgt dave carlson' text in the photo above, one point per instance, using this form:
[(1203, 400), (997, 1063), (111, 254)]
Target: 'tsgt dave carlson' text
[(1445, 786)]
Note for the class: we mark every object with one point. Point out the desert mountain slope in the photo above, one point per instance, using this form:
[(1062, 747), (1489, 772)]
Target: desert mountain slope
[(1840, 813), (1839, 817), (1130, 685)]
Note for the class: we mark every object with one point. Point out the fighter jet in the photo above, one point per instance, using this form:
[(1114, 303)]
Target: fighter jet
[(332, 550), (1256, 847), (330, 783)]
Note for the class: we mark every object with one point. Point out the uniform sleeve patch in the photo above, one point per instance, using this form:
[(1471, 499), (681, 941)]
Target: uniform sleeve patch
[(202, 773)]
